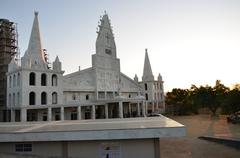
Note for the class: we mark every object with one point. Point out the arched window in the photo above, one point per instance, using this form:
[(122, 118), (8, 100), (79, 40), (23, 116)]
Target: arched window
[(146, 96), (14, 80), (145, 85), (73, 97), (87, 97), (54, 80), (54, 98), (10, 100), (13, 99), (18, 79), (43, 80), (10, 81), (44, 98), (32, 79), (31, 98)]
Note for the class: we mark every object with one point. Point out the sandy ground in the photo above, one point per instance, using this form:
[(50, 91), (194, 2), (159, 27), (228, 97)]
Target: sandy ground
[(192, 147)]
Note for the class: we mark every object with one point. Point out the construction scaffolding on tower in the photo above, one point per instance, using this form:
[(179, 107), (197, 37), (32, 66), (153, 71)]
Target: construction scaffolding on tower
[(8, 50)]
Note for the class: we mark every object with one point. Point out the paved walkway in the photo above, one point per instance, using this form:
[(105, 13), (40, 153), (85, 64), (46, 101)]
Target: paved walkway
[(192, 147)]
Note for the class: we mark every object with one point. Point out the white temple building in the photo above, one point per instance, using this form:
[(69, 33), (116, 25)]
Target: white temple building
[(37, 92), (108, 107)]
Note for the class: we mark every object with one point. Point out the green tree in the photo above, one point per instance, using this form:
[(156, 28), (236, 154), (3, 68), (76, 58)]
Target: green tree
[(202, 96), (219, 93), (180, 100), (231, 102), (210, 97)]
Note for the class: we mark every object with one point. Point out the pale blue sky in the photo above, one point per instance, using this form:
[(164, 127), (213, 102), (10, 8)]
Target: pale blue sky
[(189, 41)]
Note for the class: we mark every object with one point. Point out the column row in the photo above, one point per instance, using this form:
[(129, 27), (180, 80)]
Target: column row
[(80, 112)]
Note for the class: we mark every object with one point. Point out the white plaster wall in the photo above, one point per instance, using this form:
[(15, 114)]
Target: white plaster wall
[(38, 89), (129, 148), (80, 97), (139, 148), (38, 148), (81, 80), (14, 89), (129, 85), (107, 72)]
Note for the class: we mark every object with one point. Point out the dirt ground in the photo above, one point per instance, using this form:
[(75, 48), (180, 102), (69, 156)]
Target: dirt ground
[(192, 147)]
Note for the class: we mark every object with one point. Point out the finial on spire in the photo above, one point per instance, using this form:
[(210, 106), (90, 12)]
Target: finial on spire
[(159, 77), (145, 50), (136, 78), (35, 13), (105, 12), (57, 59)]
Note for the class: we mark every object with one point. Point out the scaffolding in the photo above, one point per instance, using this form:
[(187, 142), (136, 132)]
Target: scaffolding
[(8, 50)]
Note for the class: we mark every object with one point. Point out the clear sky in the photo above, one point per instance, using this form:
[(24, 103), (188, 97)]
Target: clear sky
[(189, 41)]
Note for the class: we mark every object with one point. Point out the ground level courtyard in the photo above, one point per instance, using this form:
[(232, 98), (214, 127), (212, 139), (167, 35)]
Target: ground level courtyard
[(192, 147)]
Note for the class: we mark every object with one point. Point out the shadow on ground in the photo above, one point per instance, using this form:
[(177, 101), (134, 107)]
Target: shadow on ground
[(192, 147)]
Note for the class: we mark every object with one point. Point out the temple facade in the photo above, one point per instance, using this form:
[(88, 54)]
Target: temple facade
[(37, 92)]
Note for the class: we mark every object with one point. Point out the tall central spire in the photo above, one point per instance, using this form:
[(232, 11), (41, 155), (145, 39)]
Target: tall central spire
[(35, 45), (147, 70), (34, 55), (105, 44)]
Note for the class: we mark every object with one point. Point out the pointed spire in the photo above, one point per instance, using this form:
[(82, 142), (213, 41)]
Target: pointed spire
[(136, 78), (147, 70), (57, 59), (35, 45), (57, 65), (159, 77), (105, 44), (34, 56)]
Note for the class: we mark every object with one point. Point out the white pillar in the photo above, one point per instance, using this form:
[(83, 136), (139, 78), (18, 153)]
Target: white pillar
[(152, 107), (23, 115), (120, 107), (106, 110), (138, 109), (144, 108), (105, 95), (79, 111), (62, 113), (93, 112), (129, 109), (12, 115), (49, 114), (96, 95)]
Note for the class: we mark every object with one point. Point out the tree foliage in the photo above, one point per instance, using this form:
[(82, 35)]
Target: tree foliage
[(187, 101)]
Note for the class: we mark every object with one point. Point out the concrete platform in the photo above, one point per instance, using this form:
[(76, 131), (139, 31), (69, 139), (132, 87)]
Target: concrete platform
[(105, 129)]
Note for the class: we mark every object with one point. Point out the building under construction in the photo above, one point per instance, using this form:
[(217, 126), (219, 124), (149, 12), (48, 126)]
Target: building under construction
[(8, 50)]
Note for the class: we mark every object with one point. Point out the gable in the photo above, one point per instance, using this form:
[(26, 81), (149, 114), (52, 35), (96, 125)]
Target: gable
[(79, 81), (128, 84)]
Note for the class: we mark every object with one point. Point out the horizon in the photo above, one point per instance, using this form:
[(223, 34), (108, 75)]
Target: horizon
[(189, 42)]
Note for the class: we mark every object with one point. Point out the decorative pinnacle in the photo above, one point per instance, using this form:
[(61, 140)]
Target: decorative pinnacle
[(146, 50), (35, 13)]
